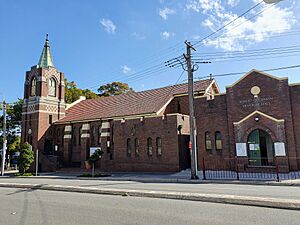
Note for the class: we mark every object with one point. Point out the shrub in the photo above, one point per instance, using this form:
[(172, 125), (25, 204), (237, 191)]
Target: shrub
[(25, 158)]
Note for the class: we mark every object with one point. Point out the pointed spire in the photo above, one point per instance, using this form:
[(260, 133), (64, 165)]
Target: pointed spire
[(46, 58)]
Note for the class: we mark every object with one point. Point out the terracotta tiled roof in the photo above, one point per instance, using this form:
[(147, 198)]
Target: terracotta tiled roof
[(136, 103)]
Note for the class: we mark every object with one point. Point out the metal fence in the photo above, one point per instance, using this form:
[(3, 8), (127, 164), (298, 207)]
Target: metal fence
[(266, 169)]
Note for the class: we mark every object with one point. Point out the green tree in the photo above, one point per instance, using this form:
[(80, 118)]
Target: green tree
[(13, 123), (15, 146), (25, 158), (114, 88), (73, 92)]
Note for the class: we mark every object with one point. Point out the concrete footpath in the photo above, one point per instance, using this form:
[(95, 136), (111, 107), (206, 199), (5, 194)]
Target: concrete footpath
[(285, 197)]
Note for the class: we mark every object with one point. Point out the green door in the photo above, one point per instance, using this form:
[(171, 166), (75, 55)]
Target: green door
[(254, 153)]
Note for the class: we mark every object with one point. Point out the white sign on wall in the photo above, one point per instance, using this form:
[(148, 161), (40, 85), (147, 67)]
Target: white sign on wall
[(279, 149), (241, 149), (92, 150)]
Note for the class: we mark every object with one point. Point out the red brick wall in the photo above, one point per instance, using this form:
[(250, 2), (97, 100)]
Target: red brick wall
[(295, 101), (211, 116)]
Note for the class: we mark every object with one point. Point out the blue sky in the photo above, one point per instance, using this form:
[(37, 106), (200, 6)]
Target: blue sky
[(95, 42)]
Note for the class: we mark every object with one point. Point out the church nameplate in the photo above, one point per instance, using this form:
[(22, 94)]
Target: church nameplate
[(254, 102)]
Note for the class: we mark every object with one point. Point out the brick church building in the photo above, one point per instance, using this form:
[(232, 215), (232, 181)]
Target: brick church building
[(256, 123)]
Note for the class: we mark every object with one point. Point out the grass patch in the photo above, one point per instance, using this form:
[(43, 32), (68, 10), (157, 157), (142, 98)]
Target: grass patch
[(23, 174), (96, 175)]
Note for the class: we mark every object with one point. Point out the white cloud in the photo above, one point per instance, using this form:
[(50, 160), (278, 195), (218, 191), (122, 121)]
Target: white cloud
[(108, 25), (138, 36), (233, 3), (165, 12), (166, 35), (126, 69), (274, 20)]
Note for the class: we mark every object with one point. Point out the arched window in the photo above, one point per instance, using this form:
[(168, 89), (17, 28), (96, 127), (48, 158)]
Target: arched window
[(52, 87), (128, 147), (79, 135), (158, 146), (149, 146), (207, 141), (137, 146), (218, 139), (33, 87)]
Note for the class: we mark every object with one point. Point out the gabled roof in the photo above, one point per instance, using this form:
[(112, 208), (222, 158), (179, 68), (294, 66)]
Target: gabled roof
[(149, 102), (46, 58), (255, 71)]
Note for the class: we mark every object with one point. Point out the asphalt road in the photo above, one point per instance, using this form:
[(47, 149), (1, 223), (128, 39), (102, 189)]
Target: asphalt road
[(30, 207), (283, 192)]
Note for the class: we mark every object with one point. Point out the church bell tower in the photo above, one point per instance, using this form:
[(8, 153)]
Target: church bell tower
[(44, 99)]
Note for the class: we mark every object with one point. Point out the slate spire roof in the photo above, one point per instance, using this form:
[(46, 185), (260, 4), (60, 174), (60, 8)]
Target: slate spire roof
[(46, 58)]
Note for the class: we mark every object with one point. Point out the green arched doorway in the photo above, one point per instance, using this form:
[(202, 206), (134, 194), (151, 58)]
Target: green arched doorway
[(260, 148)]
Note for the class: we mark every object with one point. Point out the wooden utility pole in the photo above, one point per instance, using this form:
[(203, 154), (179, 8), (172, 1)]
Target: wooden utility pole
[(193, 140), (4, 139)]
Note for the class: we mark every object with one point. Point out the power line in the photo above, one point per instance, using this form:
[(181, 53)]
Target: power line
[(248, 51), (248, 55), (244, 72), (226, 25)]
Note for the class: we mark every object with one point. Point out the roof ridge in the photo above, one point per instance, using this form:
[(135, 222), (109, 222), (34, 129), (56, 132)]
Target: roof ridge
[(141, 92)]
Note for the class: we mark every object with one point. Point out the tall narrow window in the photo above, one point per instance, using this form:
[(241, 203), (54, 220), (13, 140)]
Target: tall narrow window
[(218, 138), (137, 146), (79, 136), (52, 87), (207, 141), (33, 87), (158, 146), (50, 119), (128, 147), (149, 146)]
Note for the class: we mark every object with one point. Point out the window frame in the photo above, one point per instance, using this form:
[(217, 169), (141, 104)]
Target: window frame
[(52, 89), (158, 146), (149, 146), (33, 90), (208, 141), (137, 146), (128, 147), (218, 139)]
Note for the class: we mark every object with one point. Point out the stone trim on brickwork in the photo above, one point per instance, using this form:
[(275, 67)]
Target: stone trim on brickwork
[(42, 111), (86, 127), (260, 113), (165, 105), (257, 71)]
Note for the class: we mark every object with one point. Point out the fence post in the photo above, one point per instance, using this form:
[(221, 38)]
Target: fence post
[(203, 169), (277, 169), (236, 168)]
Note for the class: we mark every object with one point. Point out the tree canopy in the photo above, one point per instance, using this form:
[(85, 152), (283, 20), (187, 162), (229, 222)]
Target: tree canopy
[(114, 88), (13, 125), (73, 92)]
